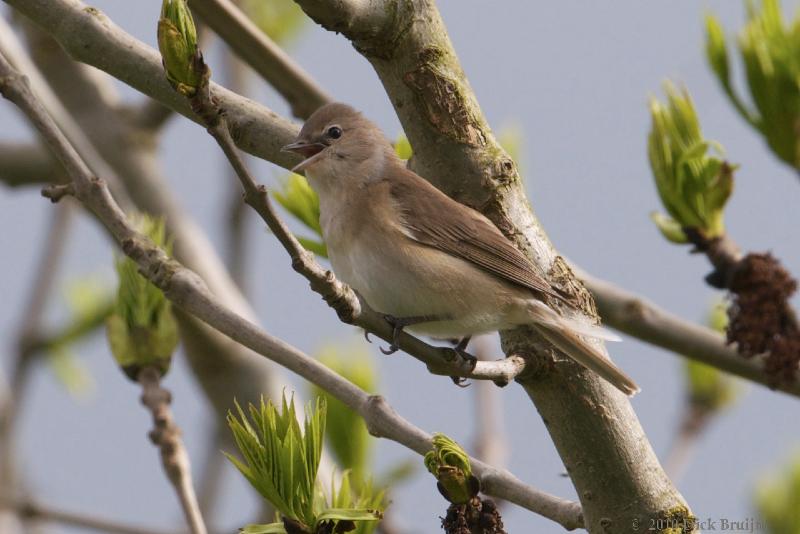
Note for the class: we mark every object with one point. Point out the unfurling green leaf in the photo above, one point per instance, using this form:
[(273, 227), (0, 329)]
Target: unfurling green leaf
[(777, 499), (280, 458), (769, 49), (142, 330), (449, 463), (693, 182), (177, 42), (669, 228)]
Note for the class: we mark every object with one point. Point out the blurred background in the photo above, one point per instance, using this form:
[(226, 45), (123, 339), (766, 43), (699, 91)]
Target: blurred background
[(571, 79)]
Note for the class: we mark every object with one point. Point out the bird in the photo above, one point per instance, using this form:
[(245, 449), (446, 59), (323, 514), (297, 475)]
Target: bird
[(428, 263)]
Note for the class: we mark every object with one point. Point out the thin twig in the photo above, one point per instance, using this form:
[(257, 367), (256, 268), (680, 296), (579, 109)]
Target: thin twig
[(237, 78), (31, 510), (167, 437), (251, 44), (634, 315), (188, 292), (48, 264), (133, 155)]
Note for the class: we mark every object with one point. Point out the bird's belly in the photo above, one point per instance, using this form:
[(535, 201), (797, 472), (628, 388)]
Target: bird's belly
[(412, 280)]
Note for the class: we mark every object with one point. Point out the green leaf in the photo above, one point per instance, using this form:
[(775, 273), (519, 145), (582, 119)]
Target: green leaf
[(769, 48), (271, 528), (281, 20), (669, 228), (777, 498), (279, 457), (70, 372), (142, 330), (449, 463), (403, 147), (317, 247), (693, 183), (346, 431), (709, 389), (349, 514)]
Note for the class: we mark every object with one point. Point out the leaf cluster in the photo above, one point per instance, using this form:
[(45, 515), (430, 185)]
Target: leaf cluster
[(280, 459), (694, 183), (142, 330), (449, 463), (770, 52)]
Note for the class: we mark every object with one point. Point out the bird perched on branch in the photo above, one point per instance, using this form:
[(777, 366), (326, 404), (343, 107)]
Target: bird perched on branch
[(419, 257)]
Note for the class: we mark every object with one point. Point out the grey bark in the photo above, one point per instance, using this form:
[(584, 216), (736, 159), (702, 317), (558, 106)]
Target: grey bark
[(598, 436)]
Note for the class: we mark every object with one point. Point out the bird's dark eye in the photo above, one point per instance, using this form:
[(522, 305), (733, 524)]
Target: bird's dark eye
[(334, 132)]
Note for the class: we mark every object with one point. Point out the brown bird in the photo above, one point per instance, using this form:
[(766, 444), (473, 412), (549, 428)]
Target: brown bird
[(419, 257)]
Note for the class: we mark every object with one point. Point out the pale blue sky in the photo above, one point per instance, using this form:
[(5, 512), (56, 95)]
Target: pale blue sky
[(575, 77)]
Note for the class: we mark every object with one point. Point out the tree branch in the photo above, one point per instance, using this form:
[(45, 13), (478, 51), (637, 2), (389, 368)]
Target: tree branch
[(90, 37), (35, 511), (268, 59), (620, 479), (634, 315), (167, 437), (612, 465), (215, 360), (339, 296), (25, 164), (188, 292)]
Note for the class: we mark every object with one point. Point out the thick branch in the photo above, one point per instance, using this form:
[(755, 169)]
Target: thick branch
[(611, 463), (634, 315), (188, 292), (90, 37), (268, 59)]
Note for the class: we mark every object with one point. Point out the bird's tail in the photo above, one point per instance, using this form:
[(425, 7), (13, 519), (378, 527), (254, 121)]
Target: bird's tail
[(566, 336)]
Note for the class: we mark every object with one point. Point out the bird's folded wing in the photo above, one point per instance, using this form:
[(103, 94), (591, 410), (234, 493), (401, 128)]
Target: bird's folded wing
[(434, 219)]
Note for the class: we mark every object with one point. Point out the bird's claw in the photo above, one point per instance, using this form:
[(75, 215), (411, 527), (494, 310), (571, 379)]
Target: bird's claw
[(460, 381)]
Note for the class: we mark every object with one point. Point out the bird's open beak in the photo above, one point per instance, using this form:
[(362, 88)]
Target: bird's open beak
[(310, 151)]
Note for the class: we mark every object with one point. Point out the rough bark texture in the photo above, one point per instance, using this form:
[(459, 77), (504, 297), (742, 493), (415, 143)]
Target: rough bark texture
[(617, 476)]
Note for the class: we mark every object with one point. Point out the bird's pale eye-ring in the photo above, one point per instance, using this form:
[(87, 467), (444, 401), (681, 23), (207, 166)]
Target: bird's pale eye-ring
[(334, 132)]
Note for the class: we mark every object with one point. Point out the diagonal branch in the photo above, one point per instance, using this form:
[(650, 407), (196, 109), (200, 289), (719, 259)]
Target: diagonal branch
[(188, 292), (268, 59), (639, 318), (216, 362)]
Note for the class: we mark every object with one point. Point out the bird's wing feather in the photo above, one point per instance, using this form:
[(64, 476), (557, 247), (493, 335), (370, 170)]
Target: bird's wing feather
[(432, 218)]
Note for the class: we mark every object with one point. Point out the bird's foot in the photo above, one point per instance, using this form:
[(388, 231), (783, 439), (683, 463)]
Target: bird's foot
[(399, 323), (460, 350)]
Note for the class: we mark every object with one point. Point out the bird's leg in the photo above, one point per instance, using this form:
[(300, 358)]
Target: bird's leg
[(461, 350), (399, 323)]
